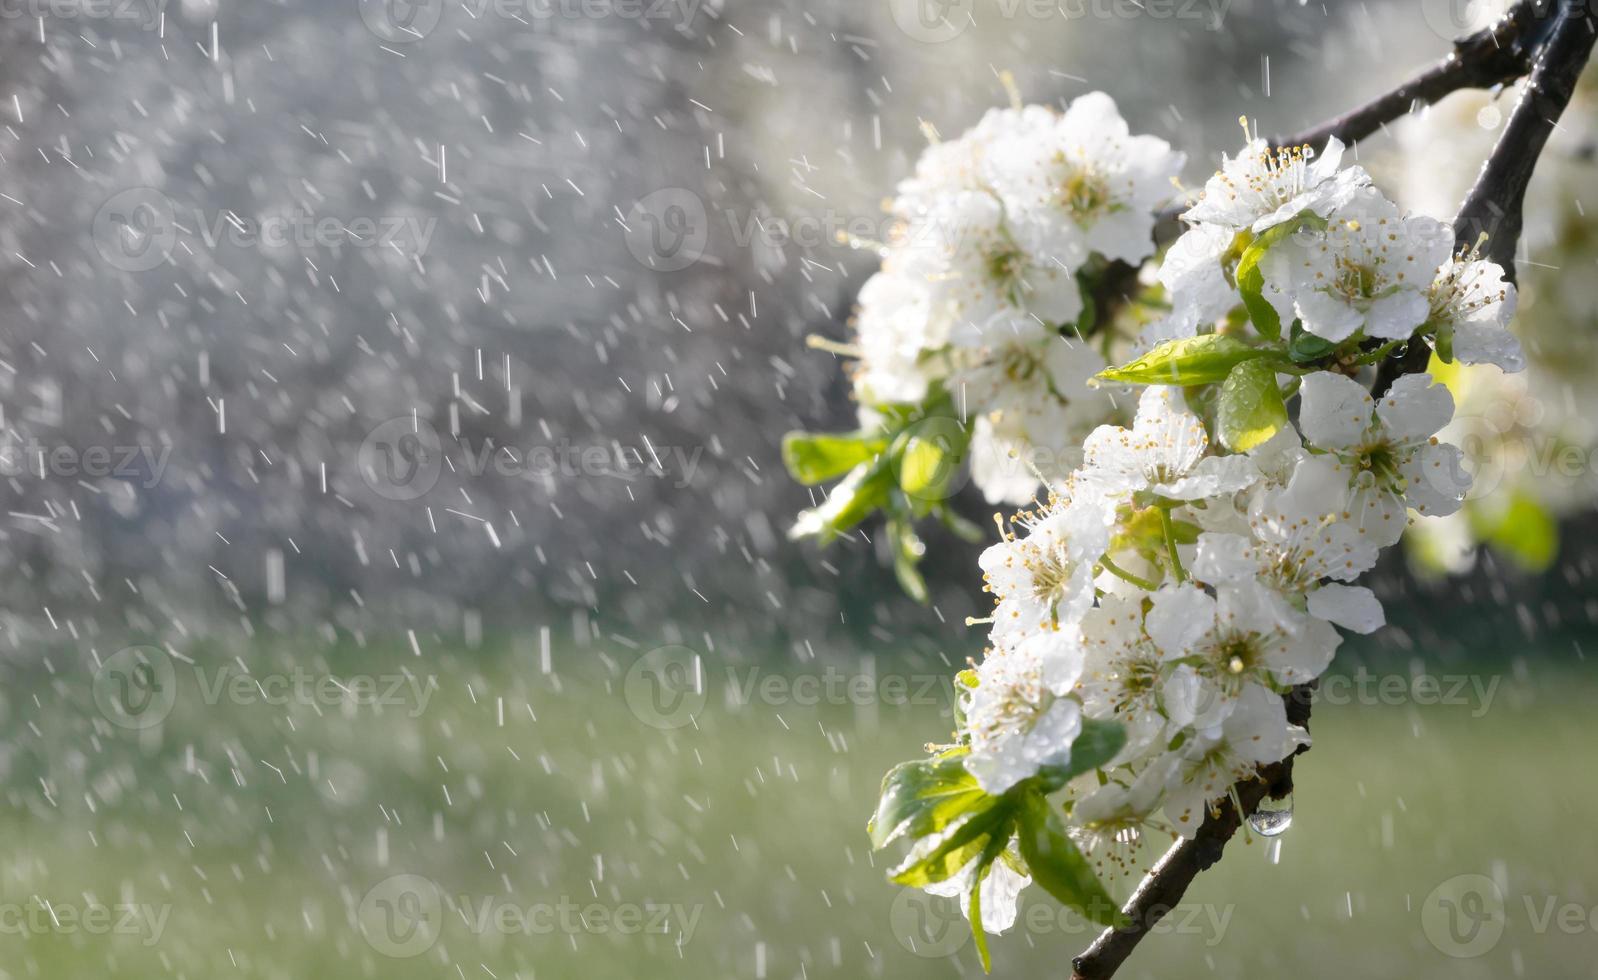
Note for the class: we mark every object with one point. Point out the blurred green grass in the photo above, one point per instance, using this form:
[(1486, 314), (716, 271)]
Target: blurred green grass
[(262, 827)]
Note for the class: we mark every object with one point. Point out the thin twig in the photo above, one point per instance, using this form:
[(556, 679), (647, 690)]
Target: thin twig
[(1496, 55), (1553, 50)]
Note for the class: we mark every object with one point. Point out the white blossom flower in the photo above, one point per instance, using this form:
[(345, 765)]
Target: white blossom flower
[(1002, 461), (1261, 188), (895, 331), (1044, 578), (1195, 280), (1371, 270), (1019, 716), (1033, 406), (1111, 824), (1471, 298), (1300, 536), (1255, 733), (1001, 890), (1122, 673), (1021, 377), (948, 167), (1386, 451), (1084, 184), (1163, 453), (1243, 635), (983, 285)]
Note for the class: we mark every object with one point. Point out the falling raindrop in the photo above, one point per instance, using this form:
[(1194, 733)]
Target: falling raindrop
[(1273, 817)]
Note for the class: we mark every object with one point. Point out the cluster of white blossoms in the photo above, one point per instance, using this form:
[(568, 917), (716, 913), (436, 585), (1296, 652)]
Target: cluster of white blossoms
[(979, 295), (1182, 590), (1529, 437)]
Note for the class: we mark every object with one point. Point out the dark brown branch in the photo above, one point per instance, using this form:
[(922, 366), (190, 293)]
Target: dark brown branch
[(1493, 56), (1494, 205), (1165, 884)]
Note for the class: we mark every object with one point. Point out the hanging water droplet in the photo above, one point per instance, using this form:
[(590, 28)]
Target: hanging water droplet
[(1273, 817)]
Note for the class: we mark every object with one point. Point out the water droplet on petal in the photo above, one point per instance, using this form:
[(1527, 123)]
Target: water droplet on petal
[(1273, 817)]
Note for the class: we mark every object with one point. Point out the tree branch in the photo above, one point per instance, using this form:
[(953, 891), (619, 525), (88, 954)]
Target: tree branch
[(1493, 56), (1494, 205), (1553, 48)]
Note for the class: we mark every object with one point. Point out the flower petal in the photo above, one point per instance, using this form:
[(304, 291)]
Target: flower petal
[(1335, 411), (1352, 607), (1414, 408)]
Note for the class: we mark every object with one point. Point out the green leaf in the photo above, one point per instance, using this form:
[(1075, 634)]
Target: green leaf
[(1058, 867), (1094, 746), (1251, 409), (928, 454), (940, 856), (994, 849), (1306, 348), (1142, 530), (1089, 317), (1524, 532), (922, 798), (1443, 344), (863, 491), (814, 457), (907, 552), (1187, 361), (1251, 279)]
